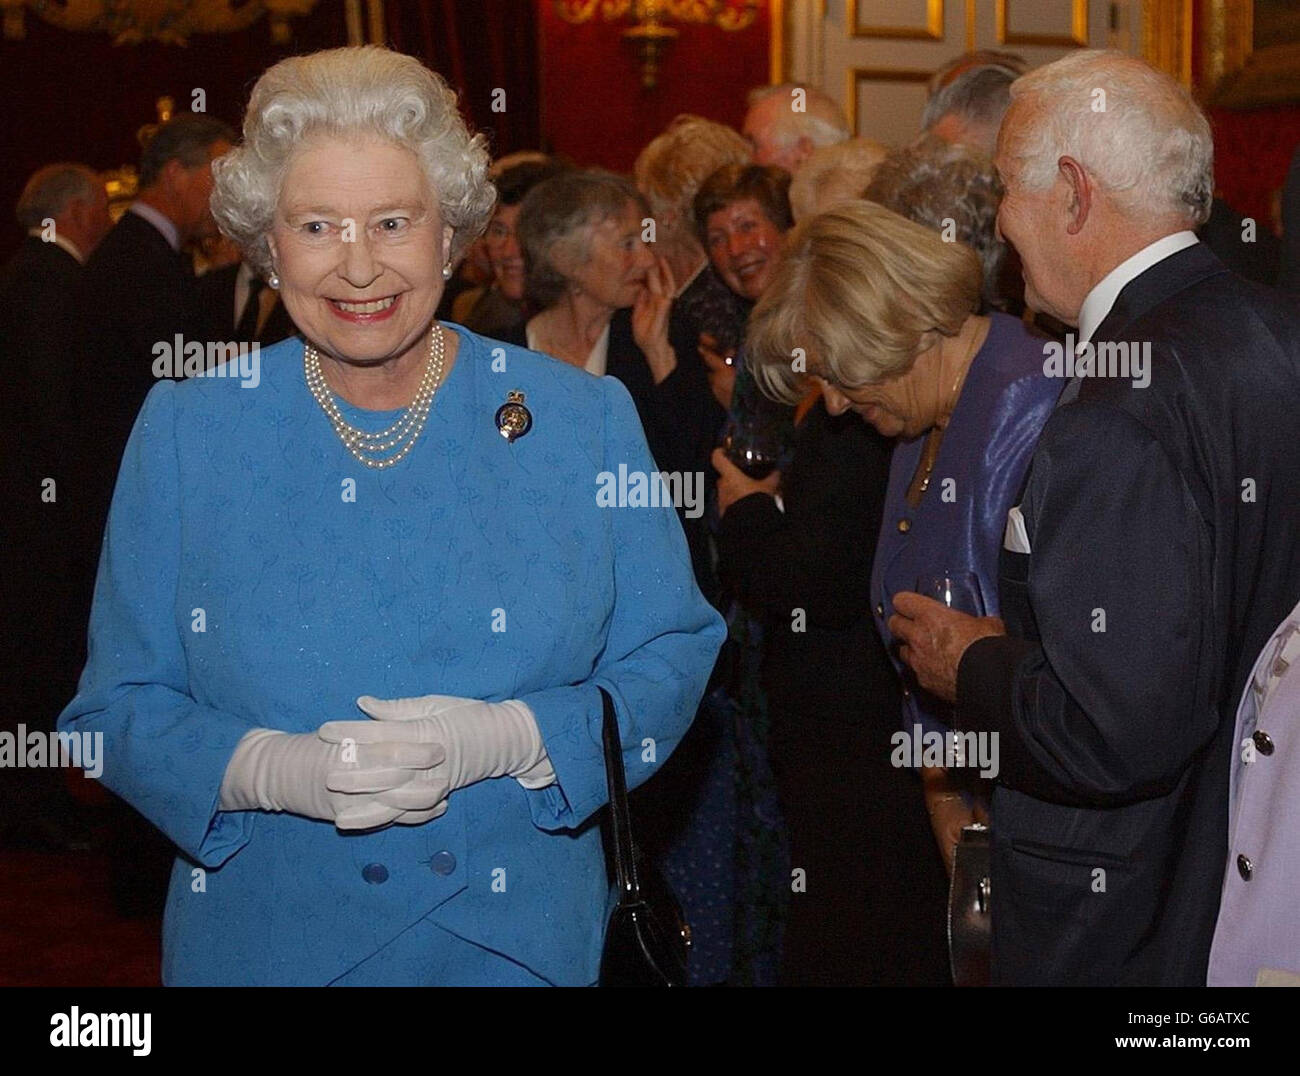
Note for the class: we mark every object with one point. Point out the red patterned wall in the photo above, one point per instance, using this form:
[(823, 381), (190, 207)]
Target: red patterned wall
[(593, 107)]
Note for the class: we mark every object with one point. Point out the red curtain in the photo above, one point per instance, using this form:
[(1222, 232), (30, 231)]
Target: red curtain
[(487, 51), (595, 109)]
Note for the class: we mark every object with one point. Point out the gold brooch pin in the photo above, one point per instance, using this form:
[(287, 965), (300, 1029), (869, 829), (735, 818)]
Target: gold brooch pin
[(513, 418)]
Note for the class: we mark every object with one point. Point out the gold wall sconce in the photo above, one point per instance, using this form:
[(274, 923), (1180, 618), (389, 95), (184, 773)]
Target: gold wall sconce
[(651, 33)]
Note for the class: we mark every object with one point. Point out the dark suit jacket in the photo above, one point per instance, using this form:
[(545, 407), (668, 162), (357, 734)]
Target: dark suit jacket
[(1258, 260), (1170, 511), (38, 642), (134, 293), (215, 294), (36, 287)]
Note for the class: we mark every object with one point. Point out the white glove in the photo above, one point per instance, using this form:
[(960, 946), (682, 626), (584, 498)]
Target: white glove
[(482, 740), (337, 782)]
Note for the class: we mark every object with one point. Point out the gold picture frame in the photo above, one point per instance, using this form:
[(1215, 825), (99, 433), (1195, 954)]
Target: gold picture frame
[(855, 75), (931, 31), (1076, 38), (1250, 53)]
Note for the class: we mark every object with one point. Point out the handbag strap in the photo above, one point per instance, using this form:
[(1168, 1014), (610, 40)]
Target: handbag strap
[(629, 887)]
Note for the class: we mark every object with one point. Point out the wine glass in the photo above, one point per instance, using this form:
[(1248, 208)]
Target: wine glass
[(753, 445), (958, 590)]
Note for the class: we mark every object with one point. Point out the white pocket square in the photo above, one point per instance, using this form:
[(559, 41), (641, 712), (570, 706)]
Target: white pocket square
[(1016, 538)]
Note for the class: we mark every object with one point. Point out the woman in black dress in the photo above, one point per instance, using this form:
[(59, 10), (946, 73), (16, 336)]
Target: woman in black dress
[(867, 888)]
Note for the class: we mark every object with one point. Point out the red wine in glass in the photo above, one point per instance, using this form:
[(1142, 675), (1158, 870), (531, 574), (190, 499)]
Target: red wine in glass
[(753, 448), (754, 463)]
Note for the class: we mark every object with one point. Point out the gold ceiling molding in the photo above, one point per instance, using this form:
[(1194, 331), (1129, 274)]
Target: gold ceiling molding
[(170, 22)]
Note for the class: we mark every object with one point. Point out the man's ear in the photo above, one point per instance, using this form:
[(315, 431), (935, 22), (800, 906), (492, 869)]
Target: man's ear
[(1079, 185)]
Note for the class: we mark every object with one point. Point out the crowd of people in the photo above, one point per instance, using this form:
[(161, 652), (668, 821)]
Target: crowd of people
[(353, 606)]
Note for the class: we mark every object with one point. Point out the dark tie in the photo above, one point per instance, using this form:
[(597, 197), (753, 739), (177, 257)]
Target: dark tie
[(247, 328)]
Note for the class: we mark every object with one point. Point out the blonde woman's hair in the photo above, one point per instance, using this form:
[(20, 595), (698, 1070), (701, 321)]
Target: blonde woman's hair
[(857, 290), (834, 174), (673, 165)]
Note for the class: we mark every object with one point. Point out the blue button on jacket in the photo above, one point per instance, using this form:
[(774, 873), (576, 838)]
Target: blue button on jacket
[(255, 575)]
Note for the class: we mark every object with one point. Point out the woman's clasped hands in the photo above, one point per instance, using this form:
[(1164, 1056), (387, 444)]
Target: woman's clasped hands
[(399, 767)]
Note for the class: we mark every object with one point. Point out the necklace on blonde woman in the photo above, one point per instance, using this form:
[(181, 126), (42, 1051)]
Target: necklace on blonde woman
[(934, 439), (382, 448)]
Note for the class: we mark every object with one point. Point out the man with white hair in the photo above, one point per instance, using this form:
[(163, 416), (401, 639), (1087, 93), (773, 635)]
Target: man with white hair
[(786, 122), (64, 211), (1153, 549)]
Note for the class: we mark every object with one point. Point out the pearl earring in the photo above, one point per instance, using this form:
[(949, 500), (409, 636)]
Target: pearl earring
[(446, 271), (273, 281)]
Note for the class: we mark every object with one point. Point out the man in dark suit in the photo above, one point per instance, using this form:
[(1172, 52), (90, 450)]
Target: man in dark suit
[(64, 210), (1152, 553), (137, 292), (239, 306), (138, 288)]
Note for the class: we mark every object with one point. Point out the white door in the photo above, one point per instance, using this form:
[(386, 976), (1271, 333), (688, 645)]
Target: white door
[(876, 56)]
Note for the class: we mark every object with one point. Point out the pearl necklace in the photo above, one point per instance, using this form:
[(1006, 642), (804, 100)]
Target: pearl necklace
[(366, 447)]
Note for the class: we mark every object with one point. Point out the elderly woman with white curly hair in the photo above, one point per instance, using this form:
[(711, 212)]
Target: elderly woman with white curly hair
[(352, 625)]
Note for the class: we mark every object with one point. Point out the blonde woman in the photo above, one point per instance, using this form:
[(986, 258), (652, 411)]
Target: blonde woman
[(888, 315)]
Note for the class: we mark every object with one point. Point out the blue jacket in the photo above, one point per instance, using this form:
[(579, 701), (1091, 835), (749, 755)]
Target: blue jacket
[(254, 574), (985, 452)]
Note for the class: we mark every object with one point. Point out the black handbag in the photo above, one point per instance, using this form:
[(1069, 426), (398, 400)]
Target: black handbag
[(647, 939), (970, 913)]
